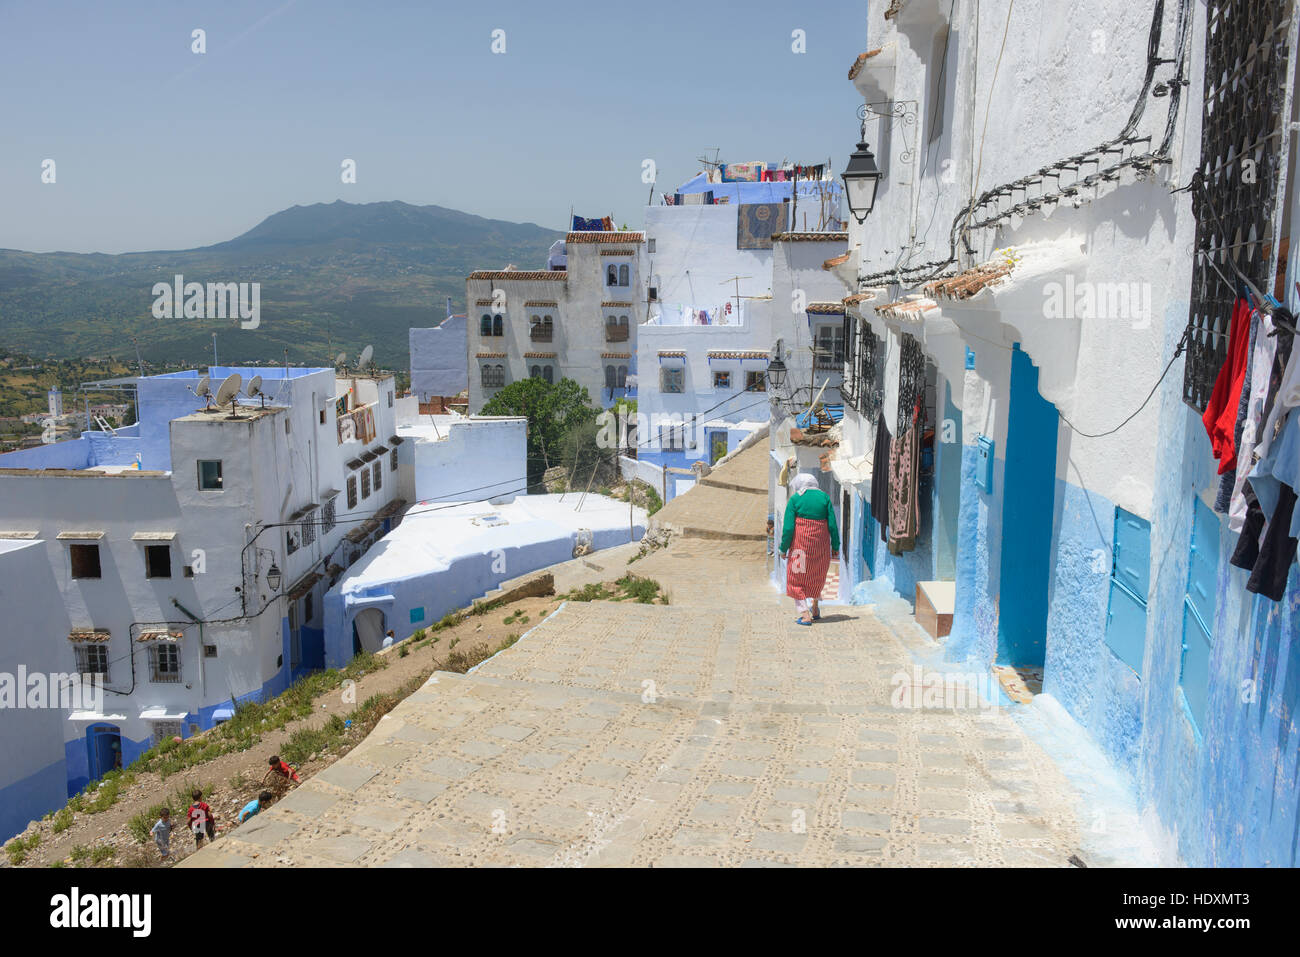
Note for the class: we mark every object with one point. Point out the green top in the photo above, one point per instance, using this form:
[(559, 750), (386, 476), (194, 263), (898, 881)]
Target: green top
[(816, 505)]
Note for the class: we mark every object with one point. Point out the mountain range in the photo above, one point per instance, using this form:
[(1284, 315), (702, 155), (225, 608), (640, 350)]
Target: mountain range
[(334, 277)]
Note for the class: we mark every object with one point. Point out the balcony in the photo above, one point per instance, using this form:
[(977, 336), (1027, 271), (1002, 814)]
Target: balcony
[(616, 333), (542, 333)]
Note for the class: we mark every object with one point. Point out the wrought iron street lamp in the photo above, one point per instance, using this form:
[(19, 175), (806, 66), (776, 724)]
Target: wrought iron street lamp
[(273, 577), (861, 177)]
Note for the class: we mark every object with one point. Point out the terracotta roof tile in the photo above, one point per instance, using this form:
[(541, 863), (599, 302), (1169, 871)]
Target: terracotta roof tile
[(836, 261), (672, 354), (861, 61), (539, 355), (810, 237), (859, 297), (490, 355), (522, 275), (738, 354), (911, 309), (826, 308), (625, 236), (541, 302), (616, 355), (966, 284), (616, 305)]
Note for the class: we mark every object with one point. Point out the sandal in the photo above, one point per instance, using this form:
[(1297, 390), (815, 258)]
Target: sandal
[(800, 621)]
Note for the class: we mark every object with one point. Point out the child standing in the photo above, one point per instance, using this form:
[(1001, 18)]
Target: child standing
[(771, 534), (200, 819), (162, 833)]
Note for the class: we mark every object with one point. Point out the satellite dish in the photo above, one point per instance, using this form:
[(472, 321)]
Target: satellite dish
[(203, 388), (229, 389), (364, 358), (341, 359), (254, 386)]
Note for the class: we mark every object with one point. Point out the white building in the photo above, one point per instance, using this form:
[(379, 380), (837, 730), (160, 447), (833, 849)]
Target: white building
[(576, 322), (448, 457), (443, 556), (190, 551), (722, 301), (438, 357), (55, 398)]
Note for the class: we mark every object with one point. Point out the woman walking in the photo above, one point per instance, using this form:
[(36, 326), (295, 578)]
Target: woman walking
[(811, 539)]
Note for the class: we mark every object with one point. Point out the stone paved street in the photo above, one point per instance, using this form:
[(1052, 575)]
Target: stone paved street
[(713, 731)]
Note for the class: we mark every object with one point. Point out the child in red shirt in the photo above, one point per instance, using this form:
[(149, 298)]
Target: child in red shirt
[(200, 819), (287, 773)]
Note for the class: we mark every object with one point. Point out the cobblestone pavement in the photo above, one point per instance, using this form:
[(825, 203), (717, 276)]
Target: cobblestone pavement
[(712, 731)]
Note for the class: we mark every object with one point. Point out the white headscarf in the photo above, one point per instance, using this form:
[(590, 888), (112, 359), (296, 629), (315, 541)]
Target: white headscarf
[(802, 483)]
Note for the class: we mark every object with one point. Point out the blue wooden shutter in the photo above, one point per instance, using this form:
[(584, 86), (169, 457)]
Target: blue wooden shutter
[(1198, 610), (1130, 575)]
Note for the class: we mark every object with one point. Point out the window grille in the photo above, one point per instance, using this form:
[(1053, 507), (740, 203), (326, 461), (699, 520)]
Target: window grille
[(1243, 155), (165, 661)]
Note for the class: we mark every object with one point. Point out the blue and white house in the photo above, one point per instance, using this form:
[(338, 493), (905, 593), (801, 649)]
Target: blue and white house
[(1066, 483), (185, 557)]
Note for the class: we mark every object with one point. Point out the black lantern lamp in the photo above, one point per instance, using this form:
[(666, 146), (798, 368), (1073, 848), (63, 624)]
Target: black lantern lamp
[(776, 373), (273, 577), (861, 177)]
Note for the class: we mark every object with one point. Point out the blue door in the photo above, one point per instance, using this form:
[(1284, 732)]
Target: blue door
[(1028, 497), (868, 538), (1130, 575), (104, 744)]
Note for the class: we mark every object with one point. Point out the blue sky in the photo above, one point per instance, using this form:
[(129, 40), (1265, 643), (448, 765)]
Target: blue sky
[(157, 147)]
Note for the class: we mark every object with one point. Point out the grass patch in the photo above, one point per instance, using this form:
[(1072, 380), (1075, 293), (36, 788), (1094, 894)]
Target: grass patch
[(62, 821), (79, 852), (17, 851)]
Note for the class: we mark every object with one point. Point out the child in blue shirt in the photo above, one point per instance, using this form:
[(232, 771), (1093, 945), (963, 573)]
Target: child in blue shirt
[(253, 806)]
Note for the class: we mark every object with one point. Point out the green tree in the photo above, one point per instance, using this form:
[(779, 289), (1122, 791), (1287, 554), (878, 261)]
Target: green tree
[(552, 411)]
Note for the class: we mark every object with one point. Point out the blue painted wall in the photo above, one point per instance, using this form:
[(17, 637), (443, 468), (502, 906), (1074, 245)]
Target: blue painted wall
[(30, 798)]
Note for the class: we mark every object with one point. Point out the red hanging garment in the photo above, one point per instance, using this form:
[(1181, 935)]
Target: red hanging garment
[(1220, 416)]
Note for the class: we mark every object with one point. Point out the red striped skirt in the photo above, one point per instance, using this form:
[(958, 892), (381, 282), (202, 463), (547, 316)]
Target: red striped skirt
[(808, 559)]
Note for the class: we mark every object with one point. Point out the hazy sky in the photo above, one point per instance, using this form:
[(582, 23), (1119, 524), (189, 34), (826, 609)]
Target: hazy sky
[(157, 147)]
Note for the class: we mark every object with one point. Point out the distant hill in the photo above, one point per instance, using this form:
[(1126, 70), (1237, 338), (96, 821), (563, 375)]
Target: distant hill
[(334, 277)]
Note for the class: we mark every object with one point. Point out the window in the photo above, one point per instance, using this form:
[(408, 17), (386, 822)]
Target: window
[(166, 730), (377, 470), (544, 372), (85, 561), (611, 275), (830, 347), (93, 660), (210, 475), (650, 245), (542, 329), (308, 613), (309, 529), (623, 275), (494, 376), (290, 540), (498, 325), (616, 329), (158, 561), (287, 425), (392, 461), (672, 438), (322, 416), (390, 398), (615, 377), (327, 515), (352, 491), (672, 379), (722, 380), (756, 381), (485, 325), (164, 661), (365, 483)]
